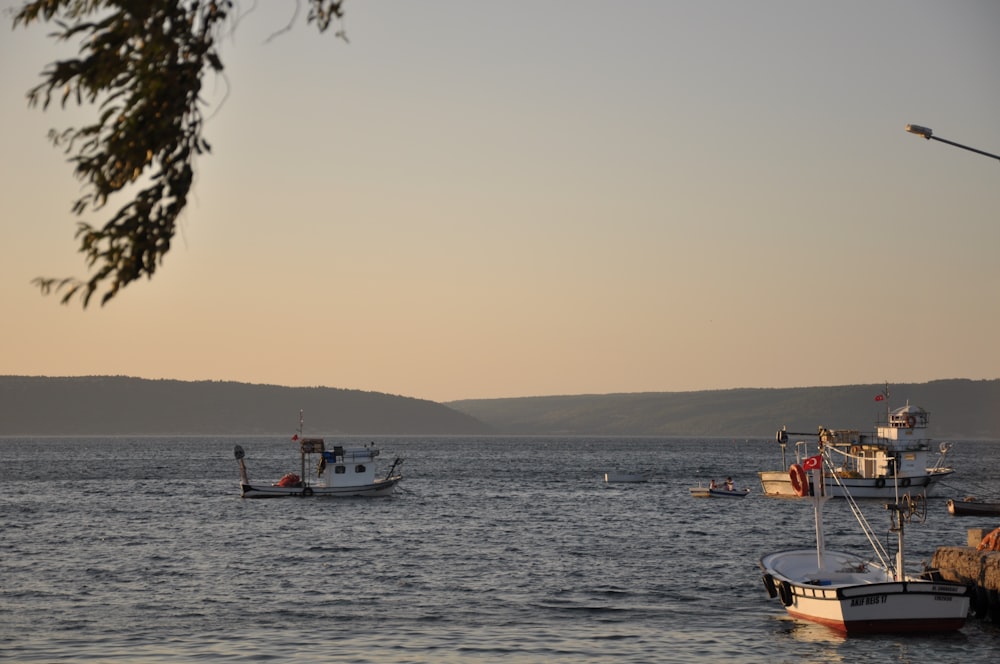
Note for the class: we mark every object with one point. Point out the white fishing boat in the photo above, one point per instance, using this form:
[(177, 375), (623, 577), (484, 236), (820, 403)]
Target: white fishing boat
[(881, 465), (339, 472), (866, 593)]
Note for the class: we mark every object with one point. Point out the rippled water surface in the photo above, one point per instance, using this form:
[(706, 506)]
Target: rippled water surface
[(141, 550)]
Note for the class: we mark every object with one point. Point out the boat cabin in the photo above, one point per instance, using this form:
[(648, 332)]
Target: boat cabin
[(341, 466), (898, 448), (906, 429)]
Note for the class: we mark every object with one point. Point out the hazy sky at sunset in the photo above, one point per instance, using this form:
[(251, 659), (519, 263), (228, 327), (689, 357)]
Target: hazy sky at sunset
[(478, 199)]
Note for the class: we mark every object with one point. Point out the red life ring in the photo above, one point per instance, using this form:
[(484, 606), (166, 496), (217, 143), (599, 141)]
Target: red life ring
[(800, 483)]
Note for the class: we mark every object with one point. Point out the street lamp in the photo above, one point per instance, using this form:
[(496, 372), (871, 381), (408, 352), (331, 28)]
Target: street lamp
[(927, 133)]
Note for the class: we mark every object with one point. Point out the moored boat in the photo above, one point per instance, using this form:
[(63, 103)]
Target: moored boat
[(705, 492), (619, 477), (880, 465), (854, 593), (972, 508), (713, 490), (340, 472)]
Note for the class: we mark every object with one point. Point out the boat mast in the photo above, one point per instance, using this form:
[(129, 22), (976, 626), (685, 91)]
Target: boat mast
[(900, 513), (302, 452), (900, 568), (819, 498)]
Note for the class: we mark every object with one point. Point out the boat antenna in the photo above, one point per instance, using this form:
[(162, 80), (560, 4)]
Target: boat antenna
[(880, 397), (240, 454), (782, 438), (902, 512)]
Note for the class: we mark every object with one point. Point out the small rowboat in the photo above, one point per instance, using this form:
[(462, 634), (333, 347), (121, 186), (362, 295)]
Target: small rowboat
[(972, 508), (719, 492)]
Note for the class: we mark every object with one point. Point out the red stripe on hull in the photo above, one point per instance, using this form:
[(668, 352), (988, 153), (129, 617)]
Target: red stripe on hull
[(886, 626)]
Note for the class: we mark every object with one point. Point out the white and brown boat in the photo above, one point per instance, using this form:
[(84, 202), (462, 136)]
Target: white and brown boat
[(339, 472), (898, 457), (863, 593)]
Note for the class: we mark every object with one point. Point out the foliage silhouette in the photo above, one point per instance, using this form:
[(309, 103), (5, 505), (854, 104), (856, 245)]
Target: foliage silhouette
[(141, 63)]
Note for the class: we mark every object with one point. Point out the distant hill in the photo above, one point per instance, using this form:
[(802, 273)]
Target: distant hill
[(959, 409), (117, 405)]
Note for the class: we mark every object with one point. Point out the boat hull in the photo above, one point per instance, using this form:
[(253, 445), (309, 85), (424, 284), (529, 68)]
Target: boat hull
[(854, 597), (707, 492), (863, 614), (962, 508), (778, 483), (379, 488)]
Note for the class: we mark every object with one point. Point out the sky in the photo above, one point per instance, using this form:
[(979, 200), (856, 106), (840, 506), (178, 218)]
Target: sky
[(484, 200)]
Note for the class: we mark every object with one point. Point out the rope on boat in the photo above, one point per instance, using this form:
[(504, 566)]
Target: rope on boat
[(880, 551), (980, 490)]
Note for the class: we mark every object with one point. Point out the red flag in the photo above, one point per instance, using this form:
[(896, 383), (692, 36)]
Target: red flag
[(813, 462), (295, 437), (879, 397)]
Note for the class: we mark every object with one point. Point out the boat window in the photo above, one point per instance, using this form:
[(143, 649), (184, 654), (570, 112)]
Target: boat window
[(360, 468), (340, 470)]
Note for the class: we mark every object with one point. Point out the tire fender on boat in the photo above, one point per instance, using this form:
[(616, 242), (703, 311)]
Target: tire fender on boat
[(769, 586), (785, 593), (905, 482), (879, 482), (927, 481), (800, 483), (306, 492)]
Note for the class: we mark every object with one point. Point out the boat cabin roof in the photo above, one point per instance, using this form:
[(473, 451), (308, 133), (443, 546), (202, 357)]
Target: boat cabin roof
[(908, 417)]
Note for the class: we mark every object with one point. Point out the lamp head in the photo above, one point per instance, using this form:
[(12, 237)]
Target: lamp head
[(926, 132)]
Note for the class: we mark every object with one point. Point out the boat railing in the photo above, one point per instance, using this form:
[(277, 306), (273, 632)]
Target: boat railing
[(801, 451), (840, 437), (340, 454)]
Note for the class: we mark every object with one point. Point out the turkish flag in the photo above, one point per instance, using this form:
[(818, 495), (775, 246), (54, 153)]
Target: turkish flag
[(813, 462), (295, 437), (880, 397)]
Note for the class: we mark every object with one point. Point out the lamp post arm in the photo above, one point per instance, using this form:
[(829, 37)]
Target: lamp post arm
[(964, 147)]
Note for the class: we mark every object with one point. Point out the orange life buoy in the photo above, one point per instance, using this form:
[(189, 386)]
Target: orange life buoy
[(910, 421), (800, 483)]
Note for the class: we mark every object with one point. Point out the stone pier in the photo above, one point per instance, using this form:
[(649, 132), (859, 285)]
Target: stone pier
[(980, 570)]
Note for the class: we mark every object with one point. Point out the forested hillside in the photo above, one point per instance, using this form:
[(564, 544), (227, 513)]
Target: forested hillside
[(118, 405), (958, 409)]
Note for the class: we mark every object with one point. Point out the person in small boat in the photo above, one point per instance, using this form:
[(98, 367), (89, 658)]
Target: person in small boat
[(729, 484), (713, 485)]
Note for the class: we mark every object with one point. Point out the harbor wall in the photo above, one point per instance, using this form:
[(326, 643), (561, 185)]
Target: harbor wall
[(980, 570)]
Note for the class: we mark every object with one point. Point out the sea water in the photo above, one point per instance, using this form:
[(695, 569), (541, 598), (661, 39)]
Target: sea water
[(512, 549)]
